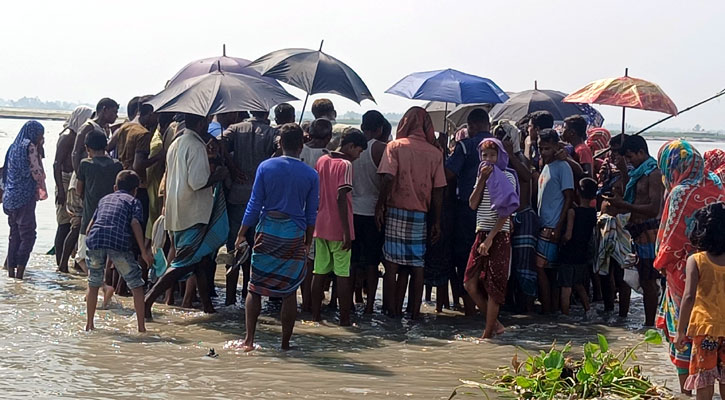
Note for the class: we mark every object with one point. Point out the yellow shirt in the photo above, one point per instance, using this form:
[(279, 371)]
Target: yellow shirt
[(708, 313)]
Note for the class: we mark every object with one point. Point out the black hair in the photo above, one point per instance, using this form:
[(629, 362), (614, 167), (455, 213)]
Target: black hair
[(372, 121), (105, 103), (708, 234), (634, 143), (143, 108), (132, 107), (478, 116), (549, 136), (616, 140), (260, 114), (127, 180), (322, 108), (305, 125), (578, 124), (192, 120), (588, 188), (387, 129), (320, 128), (357, 139), (96, 140), (542, 120), (165, 119), (291, 136), (284, 113)]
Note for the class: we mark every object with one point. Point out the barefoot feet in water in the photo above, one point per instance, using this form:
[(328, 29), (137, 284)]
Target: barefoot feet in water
[(498, 329), (90, 327), (107, 295)]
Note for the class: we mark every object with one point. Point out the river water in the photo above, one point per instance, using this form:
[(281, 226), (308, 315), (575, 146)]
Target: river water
[(46, 353)]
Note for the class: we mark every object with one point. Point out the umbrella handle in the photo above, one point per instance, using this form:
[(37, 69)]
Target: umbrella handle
[(304, 105)]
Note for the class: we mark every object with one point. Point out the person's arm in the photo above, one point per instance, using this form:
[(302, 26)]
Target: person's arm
[(486, 245), (650, 209), (569, 225), (437, 208), (36, 164), (139, 237), (477, 193), (688, 301), (377, 150), (386, 187), (311, 205), (199, 174), (454, 163), (90, 224), (141, 159), (79, 147), (254, 208), (523, 170), (62, 152), (342, 212), (80, 182), (113, 141), (568, 196)]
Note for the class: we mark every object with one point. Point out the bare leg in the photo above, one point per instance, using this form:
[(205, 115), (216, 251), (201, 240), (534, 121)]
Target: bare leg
[(493, 326), (417, 292), (442, 297), (682, 379), (344, 295), (170, 278), (625, 294), (138, 305), (169, 300), (583, 297), (544, 291), (287, 316), (60, 235), (91, 302), (372, 285), (565, 300), (401, 286), (650, 293), (252, 306), (391, 270), (68, 245), (706, 393), (428, 292), (203, 286), (317, 289), (307, 286), (20, 272), (232, 278), (471, 286), (189, 292)]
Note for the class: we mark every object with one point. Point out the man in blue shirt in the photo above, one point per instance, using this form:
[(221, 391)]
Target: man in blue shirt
[(462, 167), (283, 207)]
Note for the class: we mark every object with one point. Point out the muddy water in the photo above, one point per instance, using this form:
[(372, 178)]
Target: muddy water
[(45, 353)]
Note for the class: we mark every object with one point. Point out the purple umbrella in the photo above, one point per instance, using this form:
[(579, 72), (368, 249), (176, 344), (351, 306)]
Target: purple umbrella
[(226, 64)]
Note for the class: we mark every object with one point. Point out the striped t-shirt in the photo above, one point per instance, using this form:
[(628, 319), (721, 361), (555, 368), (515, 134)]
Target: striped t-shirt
[(486, 216)]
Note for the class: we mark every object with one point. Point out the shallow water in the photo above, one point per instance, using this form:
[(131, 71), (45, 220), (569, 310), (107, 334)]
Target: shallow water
[(46, 353)]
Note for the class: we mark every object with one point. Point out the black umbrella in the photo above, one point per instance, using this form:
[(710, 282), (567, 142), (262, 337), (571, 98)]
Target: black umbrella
[(219, 92), (314, 72), (523, 103)]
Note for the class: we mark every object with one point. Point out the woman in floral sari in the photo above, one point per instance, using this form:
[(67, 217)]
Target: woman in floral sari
[(689, 187)]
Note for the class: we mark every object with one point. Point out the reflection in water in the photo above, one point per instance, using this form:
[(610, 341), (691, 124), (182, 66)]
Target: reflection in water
[(46, 353)]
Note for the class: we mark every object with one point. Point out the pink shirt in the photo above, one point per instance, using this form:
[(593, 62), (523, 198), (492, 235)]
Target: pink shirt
[(583, 154), (335, 174), (418, 169)]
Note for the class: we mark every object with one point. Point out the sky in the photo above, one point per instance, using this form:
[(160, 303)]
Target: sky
[(82, 51)]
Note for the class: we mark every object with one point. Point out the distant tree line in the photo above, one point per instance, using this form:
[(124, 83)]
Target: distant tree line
[(37, 104)]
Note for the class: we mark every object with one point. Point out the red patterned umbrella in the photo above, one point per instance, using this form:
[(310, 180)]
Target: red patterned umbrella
[(625, 92)]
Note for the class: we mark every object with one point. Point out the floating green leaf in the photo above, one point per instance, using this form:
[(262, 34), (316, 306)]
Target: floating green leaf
[(603, 344)]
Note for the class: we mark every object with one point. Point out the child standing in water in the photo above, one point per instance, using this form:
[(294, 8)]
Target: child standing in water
[(495, 197), (701, 314)]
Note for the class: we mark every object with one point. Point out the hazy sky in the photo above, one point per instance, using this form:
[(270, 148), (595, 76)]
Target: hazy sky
[(85, 50)]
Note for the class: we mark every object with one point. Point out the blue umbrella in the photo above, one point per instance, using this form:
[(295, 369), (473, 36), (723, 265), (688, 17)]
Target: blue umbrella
[(448, 85)]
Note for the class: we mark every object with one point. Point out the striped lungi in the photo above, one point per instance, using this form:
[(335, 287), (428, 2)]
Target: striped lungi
[(278, 257), (523, 250), (405, 237)]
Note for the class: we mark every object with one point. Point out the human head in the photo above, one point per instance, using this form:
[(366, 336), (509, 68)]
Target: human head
[(353, 143), (708, 233), (165, 120), (106, 111), (548, 144), (489, 152), (146, 115), (505, 131), (372, 125), (539, 121), (587, 188), (291, 139), (284, 114), (263, 115), (681, 164), (416, 123), (196, 123), (575, 127), (635, 150), (132, 107), (96, 142), (321, 129), (387, 132), (228, 118), (33, 132), (492, 151), (128, 181), (478, 121), (77, 118), (323, 108)]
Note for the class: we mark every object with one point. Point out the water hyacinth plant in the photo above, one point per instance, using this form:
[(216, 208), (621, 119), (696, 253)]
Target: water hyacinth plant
[(552, 375)]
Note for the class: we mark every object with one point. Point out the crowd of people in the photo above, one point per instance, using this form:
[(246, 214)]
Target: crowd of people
[(509, 213)]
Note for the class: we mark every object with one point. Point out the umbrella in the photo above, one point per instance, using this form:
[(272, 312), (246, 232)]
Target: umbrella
[(437, 111), (314, 72), (523, 103), (625, 92), (448, 85), (225, 64), (219, 92), (459, 115)]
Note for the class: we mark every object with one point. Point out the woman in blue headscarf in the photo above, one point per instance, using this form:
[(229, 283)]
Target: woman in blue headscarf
[(24, 185)]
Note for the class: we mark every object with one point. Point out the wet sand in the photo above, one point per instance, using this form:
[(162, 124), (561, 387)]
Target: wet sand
[(46, 353)]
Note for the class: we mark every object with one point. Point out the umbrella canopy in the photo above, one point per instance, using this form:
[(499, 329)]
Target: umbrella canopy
[(625, 91), (528, 101), (459, 115), (314, 72), (448, 85), (219, 92), (437, 111), (225, 64)]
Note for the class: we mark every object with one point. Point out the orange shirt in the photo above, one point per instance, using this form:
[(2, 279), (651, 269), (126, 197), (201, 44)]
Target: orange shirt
[(417, 167), (708, 313)]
